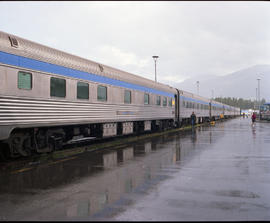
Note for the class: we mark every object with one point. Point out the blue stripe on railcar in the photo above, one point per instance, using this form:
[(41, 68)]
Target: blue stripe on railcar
[(29, 63), (201, 102), (217, 105), (193, 100)]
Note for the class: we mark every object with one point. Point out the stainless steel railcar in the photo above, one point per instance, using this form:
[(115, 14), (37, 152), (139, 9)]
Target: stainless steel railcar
[(49, 97), (190, 102), (204, 108)]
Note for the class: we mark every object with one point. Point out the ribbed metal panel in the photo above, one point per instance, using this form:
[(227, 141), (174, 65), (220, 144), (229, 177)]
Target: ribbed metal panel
[(22, 111)]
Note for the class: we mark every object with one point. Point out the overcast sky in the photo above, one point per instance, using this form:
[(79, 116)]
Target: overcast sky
[(190, 38)]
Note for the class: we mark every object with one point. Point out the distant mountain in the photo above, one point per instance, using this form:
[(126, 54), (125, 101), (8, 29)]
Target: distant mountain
[(240, 84)]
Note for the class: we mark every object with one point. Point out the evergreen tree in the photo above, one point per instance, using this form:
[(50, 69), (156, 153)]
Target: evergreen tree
[(239, 102)]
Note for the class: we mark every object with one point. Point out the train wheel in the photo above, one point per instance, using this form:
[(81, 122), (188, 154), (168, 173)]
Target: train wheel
[(20, 143)]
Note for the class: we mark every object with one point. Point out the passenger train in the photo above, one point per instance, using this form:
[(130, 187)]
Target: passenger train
[(49, 97), (264, 112)]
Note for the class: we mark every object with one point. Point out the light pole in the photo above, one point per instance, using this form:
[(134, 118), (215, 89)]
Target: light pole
[(198, 87), (155, 59), (259, 102), (256, 101)]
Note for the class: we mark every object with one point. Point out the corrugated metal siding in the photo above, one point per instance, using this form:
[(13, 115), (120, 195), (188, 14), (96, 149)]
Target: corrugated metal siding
[(22, 111)]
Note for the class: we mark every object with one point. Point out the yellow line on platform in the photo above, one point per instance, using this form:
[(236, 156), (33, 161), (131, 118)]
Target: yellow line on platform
[(29, 168), (63, 160), (22, 170)]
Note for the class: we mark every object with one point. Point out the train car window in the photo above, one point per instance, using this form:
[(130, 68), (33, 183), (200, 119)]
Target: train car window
[(201, 106), (127, 97), (164, 101), (184, 103), (58, 87), (170, 102), (24, 80), (146, 99), (158, 100), (102, 93), (82, 90)]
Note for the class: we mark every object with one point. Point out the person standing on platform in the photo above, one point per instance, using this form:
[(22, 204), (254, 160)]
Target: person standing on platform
[(193, 119), (253, 118)]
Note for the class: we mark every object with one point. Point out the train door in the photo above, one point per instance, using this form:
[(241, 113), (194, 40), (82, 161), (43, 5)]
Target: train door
[(177, 107), (210, 111)]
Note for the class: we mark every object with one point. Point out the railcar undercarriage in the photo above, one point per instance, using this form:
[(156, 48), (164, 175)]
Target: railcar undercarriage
[(25, 142)]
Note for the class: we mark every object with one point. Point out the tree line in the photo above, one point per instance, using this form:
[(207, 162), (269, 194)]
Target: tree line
[(240, 102)]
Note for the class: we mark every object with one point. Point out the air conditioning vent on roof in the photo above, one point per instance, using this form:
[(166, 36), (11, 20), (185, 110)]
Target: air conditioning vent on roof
[(14, 42), (101, 68)]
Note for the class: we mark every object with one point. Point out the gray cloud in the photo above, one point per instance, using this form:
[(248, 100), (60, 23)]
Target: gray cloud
[(191, 38)]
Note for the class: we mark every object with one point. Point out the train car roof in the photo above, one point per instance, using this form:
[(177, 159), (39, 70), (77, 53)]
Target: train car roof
[(15, 45), (36, 51)]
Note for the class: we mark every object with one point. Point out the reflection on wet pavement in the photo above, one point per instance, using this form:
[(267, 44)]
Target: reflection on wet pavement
[(177, 176)]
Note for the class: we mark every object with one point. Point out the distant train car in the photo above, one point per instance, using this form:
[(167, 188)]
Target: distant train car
[(217, 110), (194, 103), (265, 111), (49, 98)]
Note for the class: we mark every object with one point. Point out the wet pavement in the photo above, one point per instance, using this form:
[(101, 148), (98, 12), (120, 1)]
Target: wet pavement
[(219, 172)]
